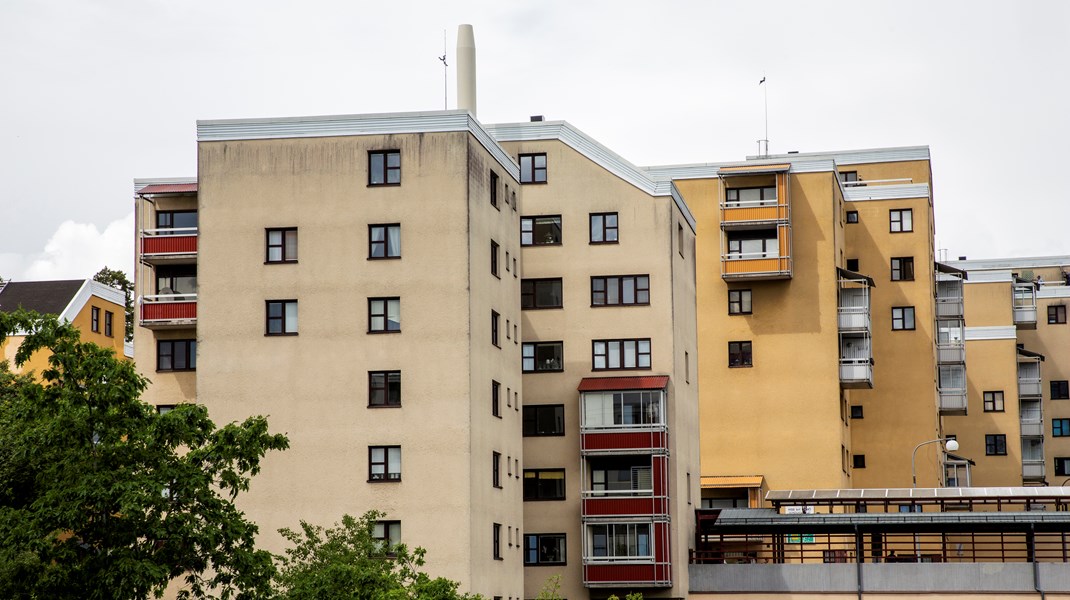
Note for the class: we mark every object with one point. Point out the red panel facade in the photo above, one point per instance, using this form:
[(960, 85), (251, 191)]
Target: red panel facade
[(166, 311), (169, 244), (606, 384), (629, 574), (607, 507), (624, 440)]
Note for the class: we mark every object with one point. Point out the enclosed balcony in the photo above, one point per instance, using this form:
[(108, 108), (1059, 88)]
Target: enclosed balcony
[(1033, 468), (755, 222), (169, 311), (950, 342), (1029, 382), (1025, 305), (951, 387), (623, 415), (853, 320), (625, 485), (627, 553), (1032, 418), (173, 241), (949, 296)]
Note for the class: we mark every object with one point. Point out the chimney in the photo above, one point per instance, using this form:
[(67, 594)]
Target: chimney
[(536, 118), (466, 69)]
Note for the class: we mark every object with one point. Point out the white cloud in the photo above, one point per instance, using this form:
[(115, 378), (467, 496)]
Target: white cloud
[(77, 251)]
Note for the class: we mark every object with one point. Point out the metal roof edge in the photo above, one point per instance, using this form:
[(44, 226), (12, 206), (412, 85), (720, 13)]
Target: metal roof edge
[(905, 191), (682, 205), (1035, 262), (861, 155), (141, 183)]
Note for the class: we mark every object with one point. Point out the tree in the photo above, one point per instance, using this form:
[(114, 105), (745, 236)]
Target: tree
[(101, 497), (118, 279), (347, 561)]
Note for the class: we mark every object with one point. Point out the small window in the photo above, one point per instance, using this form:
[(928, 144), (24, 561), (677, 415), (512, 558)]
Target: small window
[(494, 251), (282, 245), (544, 484), (506, 261), (623, 290), (544, 549), (1060, 428), (852, 216), (94, 320), (496, 469), (739, 354), (494, 189), (858, 461), (1062, 465), (384, 241), (384, 167), (680, 239), (163, 409), (497, 541), (902, 318), (495, 318), (495, 399), (901, 220), (620, 354), (1057, 314), (544, 419), (281, 317), (384, 315), (993, 401), (384, 388), (996, 444), (540, 293), (687, 367), (384, 463), (1060, 390), (903, 269), (604, 228), (852, 265), (176, 355), (109, 318), (849, 176), (533, 168), (543, 357), (387, 534), (857, 412), (739, 302), (540, 231)]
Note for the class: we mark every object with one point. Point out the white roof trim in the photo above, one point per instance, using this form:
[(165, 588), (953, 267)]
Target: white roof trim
[(1025, 262), (858, 193), (860, 156), (1053, 291), (1001, 276), (142, 183), (999, 332), (89, 289), (713, 170)]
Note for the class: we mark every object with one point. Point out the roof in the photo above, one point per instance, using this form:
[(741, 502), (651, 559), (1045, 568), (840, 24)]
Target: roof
[(731, 481), (605, 384), (859, 193), (764, 520), (852, 276), (174, 188), (945, 268), (852, 495), (1030, 354), (45, 297), (143, 184), (754, 169)]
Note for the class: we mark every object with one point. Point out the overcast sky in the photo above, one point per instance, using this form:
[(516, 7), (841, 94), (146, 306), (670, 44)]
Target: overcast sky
[(98, 92)]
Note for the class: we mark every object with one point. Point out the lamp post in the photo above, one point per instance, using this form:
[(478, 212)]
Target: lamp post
[(951, 446)]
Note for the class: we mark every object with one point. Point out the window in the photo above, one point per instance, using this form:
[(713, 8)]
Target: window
[(903, 269), (993, 401), (497, 542), (384, 388), (901, 220), (384, 241), (1060, 428), (178, 280), (620, 540), (94, 320), (540, 231), (620, 476), (176, 355), (620, 291), (515, 271), (388, 534), (996, 445), (623, 409), (163, 409), (281, 245), (176, 219), (751, 196), (544, 419), (852, 216), (494, 189), (620, 354), (760, 243), (495, 318), (496, 469), (739, 354), (542, 356), (604, 228), (109, 318), (849, 176), (281, 317), (852, 265), (1060, 390), (544, 549), (384, 315), (532, 168), (687, 367), (506, 261), (1057, 314), (384, 167), (495, 399), (540, 293), (858, 461), (680, 239), (494, 251), (1062, 465), (384, 463), (902, 318), (739, 302), (857, 412), (544, 484)]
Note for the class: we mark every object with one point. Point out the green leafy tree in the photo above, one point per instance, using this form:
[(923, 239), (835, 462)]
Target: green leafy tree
[(551, 590), (118, 279), (101, 497), (347, 562)]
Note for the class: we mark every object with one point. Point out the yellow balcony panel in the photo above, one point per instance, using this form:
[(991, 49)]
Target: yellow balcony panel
[(778, 267), (743, 214)]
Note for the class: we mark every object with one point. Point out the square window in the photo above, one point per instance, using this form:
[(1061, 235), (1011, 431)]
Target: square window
[(176, 355), (1057, 314), (903, 268), (858, 461), (852, 216), (544, 419), (540, 293), (163, 409), (281, 245), (541, 357), (94, 320), (857, 412), (533, 168), (544, 484), (544, 549), (849, 177), (1060, 428), (494, 189), (281, 317), (496, 469), (620, 354), (384, 241), (384, 463), (388, 534), (109, 318), (739, 354), (622, 290), (739, 302), (540, 231), (902, 318), (384, 388), (604, 228), (996, 445), (1060, 390), (495, 318), (993, 401), (494, 251), (852, 265), (1062, 465), (384, 315), (495, 399), (901, 220), (384, 167)]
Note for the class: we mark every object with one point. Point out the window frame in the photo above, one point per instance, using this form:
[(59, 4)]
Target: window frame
[(495, 398), (385, 243), (385, 315), (169, 215), (904, 269), (1059, 389), (94, 319), (530, 222), (1063, 429), (109, 323), (619, 281), (189, 353), (529, 170), (281, 246), (537, 489), (995, 444), (993, 401), (494, 189), (1057, 314), (496, 469), (496, 542), (529, 289), (852, 217), (603, 228), (1062, 465), (745, 352), (622, 354), (283, 319), (847, 264), (895, 217), (385, 539), (386, 171), (386, 476), (858, 461), (534, 356), (537, 539), (531, 416), (903, 311), (738, 302), (860, 413), (495, 326), (384, 389)]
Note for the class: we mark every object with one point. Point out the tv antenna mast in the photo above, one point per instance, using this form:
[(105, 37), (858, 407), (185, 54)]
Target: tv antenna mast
[(764, 142), (445, 74)]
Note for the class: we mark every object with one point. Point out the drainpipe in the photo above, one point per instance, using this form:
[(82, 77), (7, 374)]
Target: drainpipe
[(859, 548), (1031, 545)]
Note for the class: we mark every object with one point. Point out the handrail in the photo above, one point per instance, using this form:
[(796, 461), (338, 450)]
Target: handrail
[(624, 427), (162, 298), (752, 204), (751, 256), (621, 493), (170, 231)]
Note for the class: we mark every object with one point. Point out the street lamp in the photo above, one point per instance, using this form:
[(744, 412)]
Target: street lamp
[(951, 446)]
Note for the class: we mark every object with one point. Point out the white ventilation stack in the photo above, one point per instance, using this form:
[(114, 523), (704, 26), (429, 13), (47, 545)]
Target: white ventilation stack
[(466, 69)]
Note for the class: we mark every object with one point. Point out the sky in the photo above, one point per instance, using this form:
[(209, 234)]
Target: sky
[(97, 92)]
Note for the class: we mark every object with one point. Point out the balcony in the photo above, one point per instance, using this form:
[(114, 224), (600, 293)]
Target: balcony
[(949, 304), (169, 311), (169, 246), (854, 325), (623, 415), (854, 318), (1029, 380), (625, 486), (627, 554), (951, 352), (952, 401), (1025, 305), (1033, 469)]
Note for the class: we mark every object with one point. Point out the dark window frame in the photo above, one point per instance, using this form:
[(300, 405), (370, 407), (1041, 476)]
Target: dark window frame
[(529, 221), (165, 219), (1057, 314), (494, 190), (495, 337), (895, 217), (1063, 429), (529, 169), (529, 293), (281, 319), (622, 354), (386, 300), (539, 561), (94, 319), (852, 216), (533, 415), (386, 476), (603, 228), (559, 367), (497, 541), (385, 170), (993, 401), (737, 303), (1059, 389), (858, 461), (857, 412), (496, 398), (496, 469), (534, 492), (281, 246), (848, 263), (1062, 465), (109, 323), (385, 243), (380, 382), (600, 297), (188, 349), (995, 444), (387, 546), (743, 351), (902, 268), (902, 318)]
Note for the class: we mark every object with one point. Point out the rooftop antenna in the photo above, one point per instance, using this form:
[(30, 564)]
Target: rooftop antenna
[(445, 74), (764, 142)]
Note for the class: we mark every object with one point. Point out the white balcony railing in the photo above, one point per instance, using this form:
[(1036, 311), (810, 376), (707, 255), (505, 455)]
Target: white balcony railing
[(952, 399), (951, 352), (1029, 386), (853, 318)]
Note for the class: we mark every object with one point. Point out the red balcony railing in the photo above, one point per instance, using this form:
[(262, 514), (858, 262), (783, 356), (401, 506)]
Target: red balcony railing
[(643, 439), (173, 245), (169, 311)]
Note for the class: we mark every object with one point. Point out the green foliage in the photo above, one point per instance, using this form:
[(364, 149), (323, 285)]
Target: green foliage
[(551, 590), (630, 596), (101, 497), (346, 562), (118, 279)]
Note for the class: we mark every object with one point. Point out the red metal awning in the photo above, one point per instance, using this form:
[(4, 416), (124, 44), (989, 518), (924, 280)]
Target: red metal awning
[(169, 188), (602, 384)]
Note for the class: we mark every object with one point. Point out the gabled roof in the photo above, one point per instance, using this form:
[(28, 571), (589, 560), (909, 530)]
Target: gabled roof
[(46, 297)]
